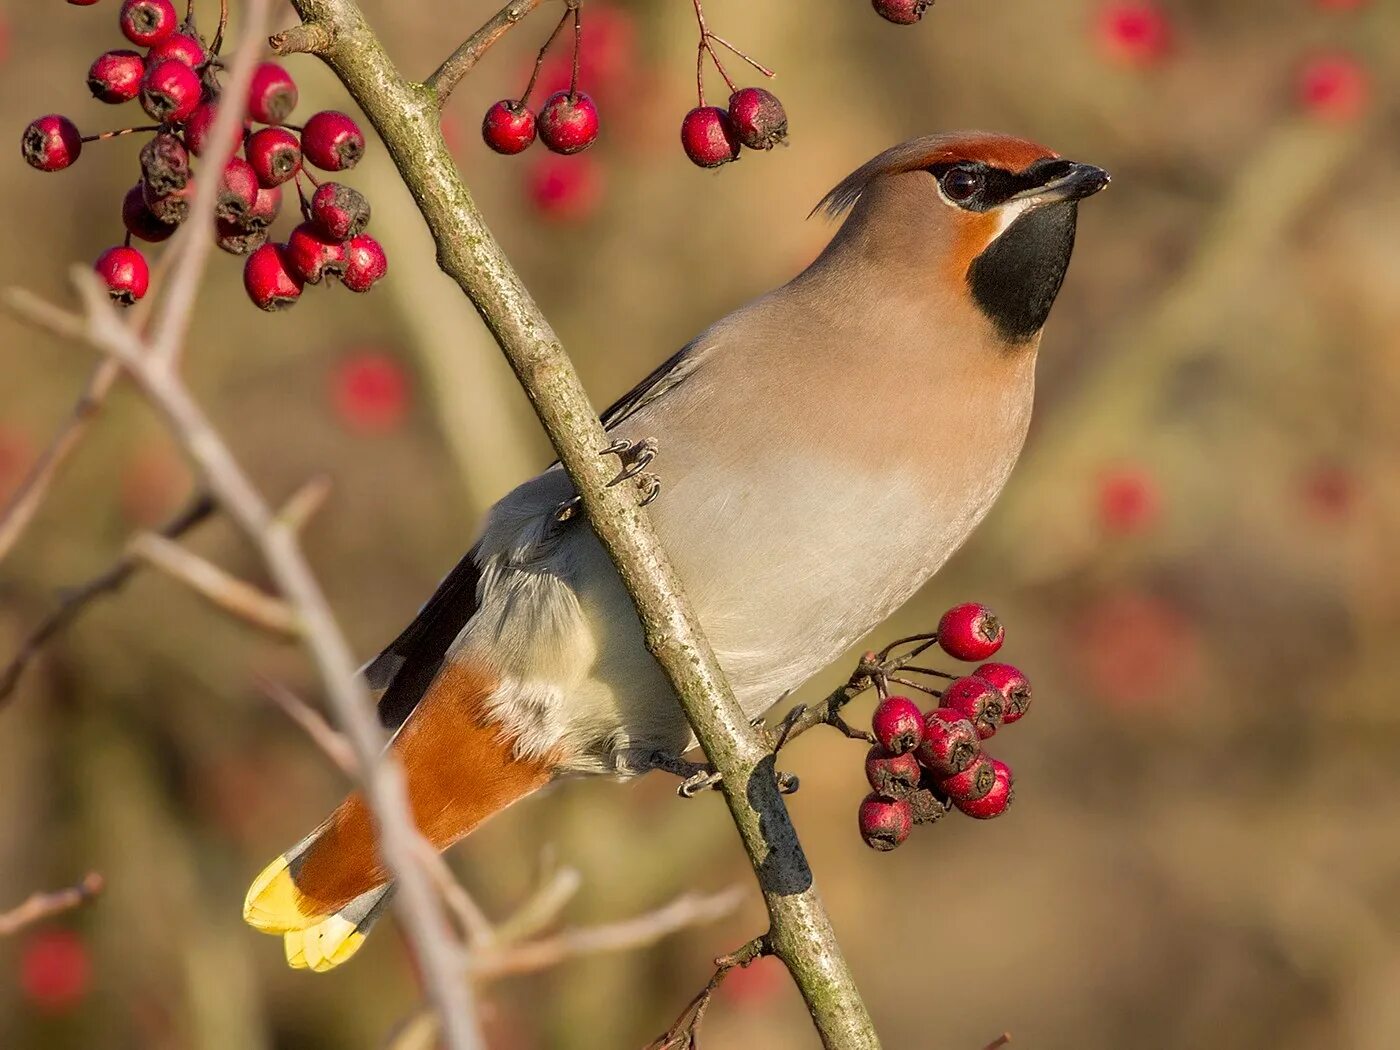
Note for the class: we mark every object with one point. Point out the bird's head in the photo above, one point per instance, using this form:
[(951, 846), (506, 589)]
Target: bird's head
[(990, 216)]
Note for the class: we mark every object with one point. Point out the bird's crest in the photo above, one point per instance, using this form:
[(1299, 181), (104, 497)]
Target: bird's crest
[(1002, 151)]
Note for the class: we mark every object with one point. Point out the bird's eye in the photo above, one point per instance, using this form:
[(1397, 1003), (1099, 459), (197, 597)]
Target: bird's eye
[(960, 184)]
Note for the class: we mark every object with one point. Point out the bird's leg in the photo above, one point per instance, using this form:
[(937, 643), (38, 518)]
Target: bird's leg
[(633, 455), (701, 776), (568, 509)]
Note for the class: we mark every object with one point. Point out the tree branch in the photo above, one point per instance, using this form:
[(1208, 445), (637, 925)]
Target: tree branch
[(40, 906), (406, 117), (448, 75)]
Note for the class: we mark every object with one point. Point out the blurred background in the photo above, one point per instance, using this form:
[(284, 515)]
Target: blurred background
[(1194, 559)]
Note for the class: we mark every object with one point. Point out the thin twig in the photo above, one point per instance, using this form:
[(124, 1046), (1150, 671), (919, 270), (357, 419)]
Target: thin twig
[(474, 924), (687, 1025), (76, 600), (998, 1042), (541, 908), (40, 906), (322, 733), (448, 75), (539, 58)]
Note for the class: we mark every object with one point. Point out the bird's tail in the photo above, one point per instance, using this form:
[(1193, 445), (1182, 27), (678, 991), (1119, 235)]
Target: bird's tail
[(324, 893)]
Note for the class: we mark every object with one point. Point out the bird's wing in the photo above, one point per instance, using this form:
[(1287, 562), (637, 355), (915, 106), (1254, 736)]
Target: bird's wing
[(670, 374)]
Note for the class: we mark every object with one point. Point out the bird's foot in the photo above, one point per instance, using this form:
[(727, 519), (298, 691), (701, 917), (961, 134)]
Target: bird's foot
[(701, 776), (568, 509), (633, 455)]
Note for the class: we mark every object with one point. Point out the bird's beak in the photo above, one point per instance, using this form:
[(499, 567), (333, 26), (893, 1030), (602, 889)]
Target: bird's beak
[(1080, 181)]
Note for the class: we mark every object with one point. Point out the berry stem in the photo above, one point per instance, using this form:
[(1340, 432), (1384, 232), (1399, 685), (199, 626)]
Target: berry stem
[(104, 135), (932, 671), (461, 62), (743, 55), (218, 41), (914, 685), (576, 7), (539, 58)]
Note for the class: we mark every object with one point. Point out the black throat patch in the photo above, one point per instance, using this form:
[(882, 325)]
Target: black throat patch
[(1016, 279)]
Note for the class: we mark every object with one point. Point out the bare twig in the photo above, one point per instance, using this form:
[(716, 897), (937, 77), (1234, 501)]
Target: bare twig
[(475, 926), (321, 732), (41, 906), (448, 75), (685, 1032), (303, 504), (236, 597), (998, 1042), (76, 600), (541, 908)]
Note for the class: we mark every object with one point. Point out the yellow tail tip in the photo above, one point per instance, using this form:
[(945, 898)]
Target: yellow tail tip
[(273, 904), (323, 946)]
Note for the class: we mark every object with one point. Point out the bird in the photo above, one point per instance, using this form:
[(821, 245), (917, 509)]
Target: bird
[(822, 449)]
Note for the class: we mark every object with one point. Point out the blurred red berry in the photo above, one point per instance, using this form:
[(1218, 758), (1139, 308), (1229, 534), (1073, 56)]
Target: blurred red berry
[(1133, 648), (898, 725), (1334, 88), (115, 76), (568, 123), (972, 783), (508, 127), (978, 701), (365, 263), (369, 392), (181, 47), (16, 454), (272, 95), (269, 279), (884, 823), (201, 123), (708, 137), (756, 984), (51, 143), (170, 91), (147, 22), (610, 47), (340, 211), (139, 220), (1129, 501), (275, 154), (332, 141), (1329, 492), (564, 189), (55, 970), (1014, 687), (998, 797), (1134, 33), (893, 776), (758, 118), (125, 273), (970, 632), (951, 742)]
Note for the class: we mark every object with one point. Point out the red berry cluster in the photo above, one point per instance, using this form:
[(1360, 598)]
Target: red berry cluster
[(177, 81), (923, 763), (566, 123), (755, 119)]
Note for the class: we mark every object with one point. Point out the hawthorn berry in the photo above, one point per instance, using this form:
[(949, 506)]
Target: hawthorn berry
[(978, 701), (758, 118), (970, 632), (115, 76), (265, 207), (901, 12), (172, 207), (125, 273), (370, 392), (1129, 500), (568, 123), (339, 211), (54, 969), (708, 137), (893, 776), (139, 220), (972, 783), (272, 95), (884, 823), (365, 263), (239, 238), (898, 725), (148, 22), (165, 164), (82, 3), (1012, 684), (182, 48), (201, 123), (170, 91), (312, 255), (508, 127), (238, 190), (51, 143), (332, 141), (275, 155), (564, 189), (269, 279), (1135, 33), (951, 742), (1334, 87), (998, 797)]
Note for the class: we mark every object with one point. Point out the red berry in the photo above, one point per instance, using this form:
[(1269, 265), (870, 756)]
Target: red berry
[(708, 137), (1335, 88), (370, 392), (978, 701), (170, 91), (332, 141), (272, 95), (172, 207), (311, 254), (115, 76), (181, 47), (893, 776), (265, 207), (972, 783), (54, 970), (82, 3), (275, 154), (365, 263), (238, 190), (999, 796), (269, 280), (139, 220), (508, 127), (1134, 33), (951, 742), (147, 22), (165, 164), (898, 725), (340, 211), (239, 238), (51, 143), (564, 189), (1014, 687), (568, 123), (1129, 500), (970, 632), (901, 12), (885, 823), (125, 273), (201, 122), (758, 118)]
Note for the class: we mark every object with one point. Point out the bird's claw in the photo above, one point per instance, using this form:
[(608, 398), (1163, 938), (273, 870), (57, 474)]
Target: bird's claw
[(634, 456), (704, 780), (568, 509)]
